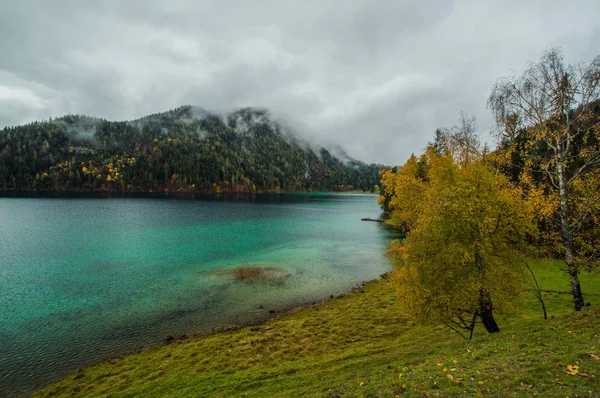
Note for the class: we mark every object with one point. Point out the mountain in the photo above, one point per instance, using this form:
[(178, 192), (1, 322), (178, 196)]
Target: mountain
[(187, 149)]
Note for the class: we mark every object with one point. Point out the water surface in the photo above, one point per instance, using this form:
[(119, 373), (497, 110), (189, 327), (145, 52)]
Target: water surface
[(84, 279)]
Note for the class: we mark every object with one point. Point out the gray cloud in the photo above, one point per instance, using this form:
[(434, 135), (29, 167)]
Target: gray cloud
[(376, 77)]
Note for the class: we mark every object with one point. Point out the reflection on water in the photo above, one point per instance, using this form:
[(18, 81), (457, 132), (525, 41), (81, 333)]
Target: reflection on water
[(82, 279)]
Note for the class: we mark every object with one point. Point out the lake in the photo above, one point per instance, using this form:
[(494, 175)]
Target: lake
[(83, 279)]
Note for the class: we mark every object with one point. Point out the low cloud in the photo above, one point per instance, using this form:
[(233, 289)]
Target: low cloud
[(376, 77)]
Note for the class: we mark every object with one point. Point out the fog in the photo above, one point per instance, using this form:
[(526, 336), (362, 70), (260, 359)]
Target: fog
[(374, 77)]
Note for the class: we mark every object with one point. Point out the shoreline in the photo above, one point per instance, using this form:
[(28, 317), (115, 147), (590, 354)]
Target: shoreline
[(43, 193), (360, 345), (48, 365), (253, 325)]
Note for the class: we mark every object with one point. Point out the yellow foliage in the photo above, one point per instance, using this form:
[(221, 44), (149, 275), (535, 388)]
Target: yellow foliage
[(467, 232), (404, 189)]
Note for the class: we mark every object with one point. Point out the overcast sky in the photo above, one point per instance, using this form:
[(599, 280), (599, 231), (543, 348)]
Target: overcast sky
[(377, 77)]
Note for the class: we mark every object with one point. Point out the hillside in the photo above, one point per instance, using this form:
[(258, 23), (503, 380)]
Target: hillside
[(186, 149), (359, 345)]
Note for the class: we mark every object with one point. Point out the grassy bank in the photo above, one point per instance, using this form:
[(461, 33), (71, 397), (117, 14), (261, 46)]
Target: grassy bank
[(358, 345)]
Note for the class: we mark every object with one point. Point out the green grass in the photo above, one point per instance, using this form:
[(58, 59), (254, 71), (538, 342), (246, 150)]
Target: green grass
[(358, 345)]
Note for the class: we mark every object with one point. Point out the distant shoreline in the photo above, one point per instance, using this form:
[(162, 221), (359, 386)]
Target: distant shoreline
[(12, 193)]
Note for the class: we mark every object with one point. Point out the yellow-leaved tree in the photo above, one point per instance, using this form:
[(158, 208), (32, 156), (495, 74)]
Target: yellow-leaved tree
[(550, 138), (464, 252), (402, 190)]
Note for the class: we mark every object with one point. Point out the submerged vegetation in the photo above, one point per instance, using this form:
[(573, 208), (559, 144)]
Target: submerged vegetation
[(251, 272), (183, 150), (256, 274)]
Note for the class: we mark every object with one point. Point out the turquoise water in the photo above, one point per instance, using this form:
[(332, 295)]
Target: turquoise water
[(86, 279)]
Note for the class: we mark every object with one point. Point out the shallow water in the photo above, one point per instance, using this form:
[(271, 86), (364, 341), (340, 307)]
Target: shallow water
[(85, 279)]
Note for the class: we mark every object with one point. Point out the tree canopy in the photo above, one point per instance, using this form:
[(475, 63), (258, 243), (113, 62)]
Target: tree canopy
[(467, 230), (182, 150), (549, 119)]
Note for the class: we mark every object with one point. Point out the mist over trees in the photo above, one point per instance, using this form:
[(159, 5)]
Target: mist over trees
[(183, 150)]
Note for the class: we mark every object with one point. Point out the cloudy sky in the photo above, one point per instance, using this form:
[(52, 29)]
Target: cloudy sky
[(375, 76)]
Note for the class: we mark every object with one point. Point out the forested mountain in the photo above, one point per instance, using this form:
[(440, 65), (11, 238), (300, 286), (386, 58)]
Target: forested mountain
[(183, 150)]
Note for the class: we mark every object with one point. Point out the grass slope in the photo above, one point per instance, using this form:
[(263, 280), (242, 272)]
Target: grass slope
[(358, 345)]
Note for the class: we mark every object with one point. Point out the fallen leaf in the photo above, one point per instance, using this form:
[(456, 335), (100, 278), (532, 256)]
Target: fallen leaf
[(572, 370)]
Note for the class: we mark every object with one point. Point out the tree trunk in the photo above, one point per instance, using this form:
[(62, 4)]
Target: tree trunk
[(538, 290), (486, 312), (565, 232), (576, 288)]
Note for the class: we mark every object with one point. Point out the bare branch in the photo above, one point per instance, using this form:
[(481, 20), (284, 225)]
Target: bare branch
[(587, 164)]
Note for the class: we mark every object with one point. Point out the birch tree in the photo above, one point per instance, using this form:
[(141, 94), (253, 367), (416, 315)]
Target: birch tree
[(551, 109)]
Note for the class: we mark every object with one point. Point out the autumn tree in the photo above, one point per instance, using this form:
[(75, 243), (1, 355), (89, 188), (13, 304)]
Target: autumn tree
[(402, 191), (461, 140), (550, 126), (463, 255)]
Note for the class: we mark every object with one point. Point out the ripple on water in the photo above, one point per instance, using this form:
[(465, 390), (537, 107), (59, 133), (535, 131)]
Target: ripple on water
[(83, 280)]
